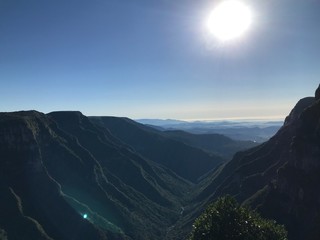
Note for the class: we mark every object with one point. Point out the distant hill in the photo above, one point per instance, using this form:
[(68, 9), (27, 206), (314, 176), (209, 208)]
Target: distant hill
[(213, 143), (245, 130), (186, 161), (160, 122)]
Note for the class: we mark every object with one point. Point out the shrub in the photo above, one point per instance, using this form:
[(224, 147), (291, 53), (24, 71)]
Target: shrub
[(225, 219)]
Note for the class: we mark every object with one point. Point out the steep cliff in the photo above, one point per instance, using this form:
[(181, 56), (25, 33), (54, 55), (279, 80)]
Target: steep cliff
[(32, 205), (278, 178), (55, 168)]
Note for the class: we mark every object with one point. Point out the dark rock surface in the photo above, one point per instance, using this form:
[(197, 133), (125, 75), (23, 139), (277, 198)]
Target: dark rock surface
[(317, 93)]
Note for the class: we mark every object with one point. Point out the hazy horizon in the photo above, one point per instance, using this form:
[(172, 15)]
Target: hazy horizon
[(257, 119), (156, 59)]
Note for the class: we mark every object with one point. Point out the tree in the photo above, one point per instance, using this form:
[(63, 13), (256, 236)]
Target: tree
[(225, 219)]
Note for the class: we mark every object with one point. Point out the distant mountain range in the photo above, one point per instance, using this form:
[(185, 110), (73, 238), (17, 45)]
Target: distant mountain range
[(247, 130), (161, 122), (67, 176)]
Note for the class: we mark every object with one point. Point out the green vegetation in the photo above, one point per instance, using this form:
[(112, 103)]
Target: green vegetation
[(3, 235), (225, 219)]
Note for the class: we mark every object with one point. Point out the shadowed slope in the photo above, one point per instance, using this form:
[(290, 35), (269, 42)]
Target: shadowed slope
[(212, 143), (279, 177), (188, 162), (60, 167), (32, 205)]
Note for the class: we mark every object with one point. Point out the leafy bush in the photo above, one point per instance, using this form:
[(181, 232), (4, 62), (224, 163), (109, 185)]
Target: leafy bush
[(225, 219), (3, 235)]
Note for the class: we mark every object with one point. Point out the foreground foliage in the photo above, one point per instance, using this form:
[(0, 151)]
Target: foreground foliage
[(225, 219)]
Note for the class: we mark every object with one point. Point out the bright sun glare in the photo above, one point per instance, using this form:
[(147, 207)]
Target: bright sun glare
[(229, 20)]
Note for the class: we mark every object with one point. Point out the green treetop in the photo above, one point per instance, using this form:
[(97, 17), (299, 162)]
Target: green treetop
[(225, 219)]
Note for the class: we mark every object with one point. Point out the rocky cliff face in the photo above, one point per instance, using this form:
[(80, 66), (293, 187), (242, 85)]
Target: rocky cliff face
[(32, 205), (55, 168), (295, 193), (280, 177)]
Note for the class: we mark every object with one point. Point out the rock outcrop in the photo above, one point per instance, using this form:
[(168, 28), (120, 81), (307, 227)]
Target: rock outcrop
[(317, 93)]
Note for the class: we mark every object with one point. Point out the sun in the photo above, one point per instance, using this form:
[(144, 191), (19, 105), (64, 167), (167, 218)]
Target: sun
[(229, 20)]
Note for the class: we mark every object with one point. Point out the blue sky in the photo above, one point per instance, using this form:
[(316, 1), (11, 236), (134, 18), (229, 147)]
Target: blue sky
[(155, 58)]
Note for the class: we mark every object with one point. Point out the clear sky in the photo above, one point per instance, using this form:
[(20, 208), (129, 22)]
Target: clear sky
[(155, 58)]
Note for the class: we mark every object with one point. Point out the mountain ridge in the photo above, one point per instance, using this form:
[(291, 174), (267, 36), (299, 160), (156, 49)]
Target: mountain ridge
[(66, 176), (57, 174)]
